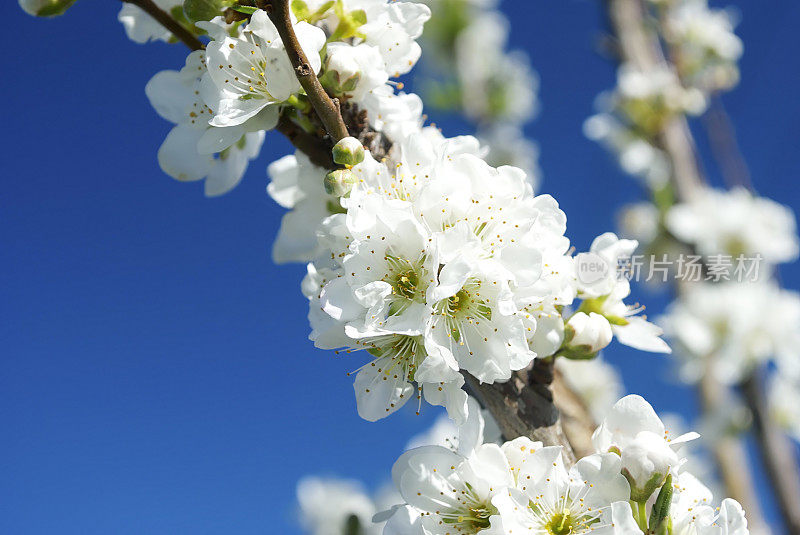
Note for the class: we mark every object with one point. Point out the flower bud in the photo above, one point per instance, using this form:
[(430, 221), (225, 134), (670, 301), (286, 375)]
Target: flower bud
[(348, 151), (45, 8), (339, 182), (646, 462), (586, 334)]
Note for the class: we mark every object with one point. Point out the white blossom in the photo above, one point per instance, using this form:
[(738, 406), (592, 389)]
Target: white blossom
[(604, 290), (186, 154), (728, 328), (735, 222), (250, 75), (591, 497), (453, 493), (647, 451), (391, 27), (326, 506), (496, 84), (45, 8), (705, 48)]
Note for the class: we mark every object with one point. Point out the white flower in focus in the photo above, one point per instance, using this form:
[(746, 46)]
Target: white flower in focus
[(648, 452), (391, 27), (604, 290), (250, 75), (328, 505), (597, 382), (592, 497), (351, 69), (141, 27), (736, 222), (691, 512), (186, 153), (453, 493), (728, 328)]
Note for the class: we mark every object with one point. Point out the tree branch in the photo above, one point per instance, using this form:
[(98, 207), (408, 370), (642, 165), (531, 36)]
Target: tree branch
[(643, 50), (326, 107), (730, 454), (166, 20), (523, 406), (776, 451)]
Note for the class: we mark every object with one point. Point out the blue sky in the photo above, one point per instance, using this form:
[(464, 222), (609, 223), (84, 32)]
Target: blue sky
[(156, 374)]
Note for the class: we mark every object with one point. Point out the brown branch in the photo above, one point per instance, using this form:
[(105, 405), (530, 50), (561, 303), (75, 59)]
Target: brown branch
[(316, 148), (166, 20), (642, 49), (730, 454), (722, 137), (777, 453), (326, 107), (523, 406)]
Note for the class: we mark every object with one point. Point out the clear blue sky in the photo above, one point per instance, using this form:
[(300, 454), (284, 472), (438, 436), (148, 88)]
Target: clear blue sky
[(156, 376)]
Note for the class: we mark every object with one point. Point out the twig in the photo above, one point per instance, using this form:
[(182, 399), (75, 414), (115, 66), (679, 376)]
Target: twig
[(166, 20), (776, 453), (326, 107), (722, 136)]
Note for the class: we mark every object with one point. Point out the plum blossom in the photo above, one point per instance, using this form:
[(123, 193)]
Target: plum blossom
[(648, 453), (450, 492), (728, 328), (329, 506), (590, 497), (250, 75), (736, 222), (604, 291), (186, 154)]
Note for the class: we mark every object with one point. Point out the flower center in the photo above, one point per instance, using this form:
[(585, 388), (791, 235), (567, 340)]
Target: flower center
[(563, 523)]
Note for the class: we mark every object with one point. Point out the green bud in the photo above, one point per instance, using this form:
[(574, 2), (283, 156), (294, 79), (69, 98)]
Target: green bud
[(642, 494), (352, 526), (339, 182), (348, 151), (197, 10), (660, 510), (45, 8)]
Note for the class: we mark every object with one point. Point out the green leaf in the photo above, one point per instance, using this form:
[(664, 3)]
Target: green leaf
[(247, 10), (197, 10), (660, 510)]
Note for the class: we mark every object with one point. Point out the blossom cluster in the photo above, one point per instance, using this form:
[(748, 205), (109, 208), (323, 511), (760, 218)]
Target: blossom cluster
[(444, 265), (634, 483), (703, 51), (225, 97)]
